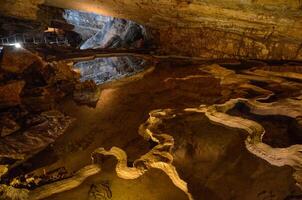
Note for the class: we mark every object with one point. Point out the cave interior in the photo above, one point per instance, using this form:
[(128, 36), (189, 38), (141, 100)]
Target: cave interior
[(151, 100)]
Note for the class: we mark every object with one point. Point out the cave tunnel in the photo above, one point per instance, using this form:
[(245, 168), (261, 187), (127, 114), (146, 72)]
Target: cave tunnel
[(150, 100)]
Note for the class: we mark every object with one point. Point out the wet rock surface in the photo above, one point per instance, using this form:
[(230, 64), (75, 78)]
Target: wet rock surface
[(31, 90), (185, 128)]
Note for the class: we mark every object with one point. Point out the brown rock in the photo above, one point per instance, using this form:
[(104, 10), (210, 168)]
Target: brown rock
[(17, 60), (38, 99), (59, 71), (8, 125), (86, 93), (50, 125), (10, 94)]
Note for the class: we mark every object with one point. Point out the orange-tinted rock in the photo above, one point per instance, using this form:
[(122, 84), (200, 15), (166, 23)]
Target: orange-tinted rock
[(8, 125), (262, 29), (48, 126), (86, 93), (59, 71), (10, 94), (17, 60), (38, 99)]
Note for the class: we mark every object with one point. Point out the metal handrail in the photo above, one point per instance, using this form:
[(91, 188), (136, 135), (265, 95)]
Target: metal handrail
[(33, 38)]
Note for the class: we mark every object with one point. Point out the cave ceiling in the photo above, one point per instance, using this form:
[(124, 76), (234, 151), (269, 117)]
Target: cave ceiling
[(262, 29)]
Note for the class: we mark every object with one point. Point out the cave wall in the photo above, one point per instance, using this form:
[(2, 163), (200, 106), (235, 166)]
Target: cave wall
[(25, 9), (211, 43), (256, 29)]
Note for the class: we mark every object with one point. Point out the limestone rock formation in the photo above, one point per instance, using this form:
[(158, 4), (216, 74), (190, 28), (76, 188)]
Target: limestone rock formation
[(31, 90), (100, 191), (217, 115), (208, 29), (173, 151), (8, 124), (10, 94), (86, 93), (49, 126), (105, 32), (17, 60)]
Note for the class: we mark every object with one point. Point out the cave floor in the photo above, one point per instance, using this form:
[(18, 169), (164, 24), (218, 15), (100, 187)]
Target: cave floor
[(216, 165)]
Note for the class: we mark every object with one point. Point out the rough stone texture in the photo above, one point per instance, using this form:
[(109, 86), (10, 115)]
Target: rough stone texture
[(86, 93), (99, 31), (30, 91), (212, 159), (44, 130), (8, 125), (10, 94), (20, 9), (17, 60), (245, 29), (211, 43), (262, 29)]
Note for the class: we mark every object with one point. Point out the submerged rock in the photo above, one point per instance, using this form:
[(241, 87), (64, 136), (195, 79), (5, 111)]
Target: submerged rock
[(87, 93), (100, 191), (49, 126)]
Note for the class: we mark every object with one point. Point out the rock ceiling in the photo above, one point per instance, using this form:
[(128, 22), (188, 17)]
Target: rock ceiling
[(261, 29)]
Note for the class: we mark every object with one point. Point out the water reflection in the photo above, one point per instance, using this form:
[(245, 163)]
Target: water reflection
[(103, 70)]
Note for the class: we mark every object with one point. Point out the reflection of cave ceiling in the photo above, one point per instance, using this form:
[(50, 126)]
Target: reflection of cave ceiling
[(102, 70)]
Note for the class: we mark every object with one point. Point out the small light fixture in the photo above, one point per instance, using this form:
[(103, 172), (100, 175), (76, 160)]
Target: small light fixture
[(18, 45)]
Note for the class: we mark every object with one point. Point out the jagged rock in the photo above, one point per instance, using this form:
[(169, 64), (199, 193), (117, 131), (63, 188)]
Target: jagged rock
[(208, 29), (211, 29), (3, 170), (39, 99), (63, 80), (99, 31), (17, 60), (10, 93), (87, 93), (58, 72), (100, 191), (11, 193), (50, 125), (65, 185), (8, 125)]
